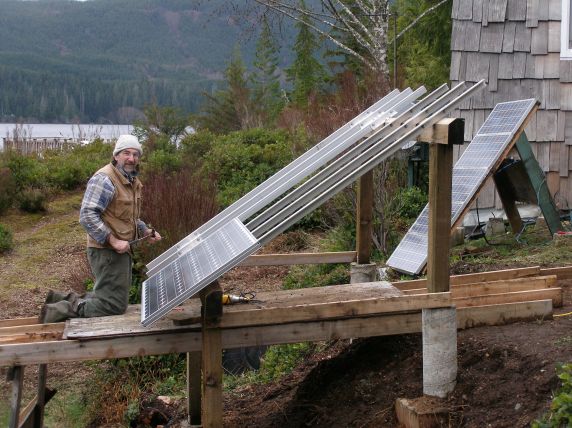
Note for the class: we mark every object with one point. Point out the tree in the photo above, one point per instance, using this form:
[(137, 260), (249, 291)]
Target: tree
[(230, 109), (362, 21), (306, 73), (265, 78)]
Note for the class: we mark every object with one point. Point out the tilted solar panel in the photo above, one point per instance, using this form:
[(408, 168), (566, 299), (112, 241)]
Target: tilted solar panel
[(194, 270), (474, 166)]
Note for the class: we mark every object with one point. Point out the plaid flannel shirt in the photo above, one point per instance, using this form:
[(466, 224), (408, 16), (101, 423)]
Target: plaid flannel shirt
[(98, 195)]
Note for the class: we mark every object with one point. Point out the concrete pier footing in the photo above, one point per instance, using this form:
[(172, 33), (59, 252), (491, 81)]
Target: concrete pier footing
[(362, 272)]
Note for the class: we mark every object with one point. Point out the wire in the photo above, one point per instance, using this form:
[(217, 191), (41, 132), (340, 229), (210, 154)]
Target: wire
[(563, 315)]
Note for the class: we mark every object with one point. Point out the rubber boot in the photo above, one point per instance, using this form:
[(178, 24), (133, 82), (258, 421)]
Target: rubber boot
[(57, 312), (57, 296)]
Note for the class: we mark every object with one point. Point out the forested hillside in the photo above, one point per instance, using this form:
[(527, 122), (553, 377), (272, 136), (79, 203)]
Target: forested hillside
[(62, 60)]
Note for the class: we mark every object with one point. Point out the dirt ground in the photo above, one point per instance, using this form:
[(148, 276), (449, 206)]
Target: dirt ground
[(506, 373), (506, 377)]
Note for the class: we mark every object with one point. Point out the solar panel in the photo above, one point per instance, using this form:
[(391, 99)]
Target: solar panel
[(197, 268), (474, 166), (224, 242)]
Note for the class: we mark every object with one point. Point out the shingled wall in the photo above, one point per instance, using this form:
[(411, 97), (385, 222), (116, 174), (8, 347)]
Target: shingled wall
[(515, 46)]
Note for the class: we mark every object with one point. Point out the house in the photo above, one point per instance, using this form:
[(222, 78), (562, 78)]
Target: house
[(523, 49)]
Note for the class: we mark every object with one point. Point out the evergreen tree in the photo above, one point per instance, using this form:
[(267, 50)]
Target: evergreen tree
[(230, 109), (306, 73), (265, 79)]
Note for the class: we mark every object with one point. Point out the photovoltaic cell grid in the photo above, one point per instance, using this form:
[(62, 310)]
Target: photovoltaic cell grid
[(470, 171), (192, 271)]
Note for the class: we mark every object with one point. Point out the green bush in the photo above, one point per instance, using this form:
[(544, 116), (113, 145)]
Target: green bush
[(7, 189), (32, 200), (560, 414), (316, 276), (241, 160), (6, 243)]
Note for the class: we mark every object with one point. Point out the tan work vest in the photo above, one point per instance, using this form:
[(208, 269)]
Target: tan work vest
[(124, 209)]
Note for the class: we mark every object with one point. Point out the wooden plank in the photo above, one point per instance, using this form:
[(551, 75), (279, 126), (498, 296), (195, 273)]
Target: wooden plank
[(552, 66), (530, 66), (18, 321), (492, 38), (32, 329), (32, 337), (471, 278), (546, 127), (457, 39), (497, 287), (554, 36), (516, 10), (522, 37), (562, 272), (471, 32), (532, 13), (565, 71), (455, 10), (555, 10), (563, 166), (497, 11), (503, 314), (553, 182), (485, 14), (158, 344), (542, 11), (539, 66), (364, 218), (530, 131), (508, 37), (539, 39), (455, 65), (253, 316), (493, 74), (477, 10), (465, 9), (440, 184), (555, 294), (568, 128), (552, 102), (300, 259), (519, 65), (554, 161)]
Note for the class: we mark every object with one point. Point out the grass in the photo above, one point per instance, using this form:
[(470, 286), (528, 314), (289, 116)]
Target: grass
[(36, 237)]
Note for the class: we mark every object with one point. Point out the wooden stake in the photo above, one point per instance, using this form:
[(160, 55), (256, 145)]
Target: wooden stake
[(211, 298), (364, 218), (194, 393), (16, 376)]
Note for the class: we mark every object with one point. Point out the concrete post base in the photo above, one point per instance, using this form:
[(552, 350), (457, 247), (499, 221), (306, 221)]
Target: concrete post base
[(439, 351), (362, 273)]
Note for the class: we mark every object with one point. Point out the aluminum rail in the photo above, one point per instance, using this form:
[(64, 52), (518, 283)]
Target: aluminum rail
[(305, 189), (266, 192), (368, 164), (330, 175)]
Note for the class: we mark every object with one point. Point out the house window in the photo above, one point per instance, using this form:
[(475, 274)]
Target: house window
[(566, 31)]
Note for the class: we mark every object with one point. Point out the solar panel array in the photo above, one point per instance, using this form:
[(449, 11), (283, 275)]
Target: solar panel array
[(469, 173), (276, 204)]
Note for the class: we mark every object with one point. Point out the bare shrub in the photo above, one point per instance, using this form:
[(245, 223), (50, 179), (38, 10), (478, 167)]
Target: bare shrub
[(80, 276), (176, 204)]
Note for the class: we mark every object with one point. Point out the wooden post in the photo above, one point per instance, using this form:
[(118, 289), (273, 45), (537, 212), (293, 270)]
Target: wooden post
[(194, 390), (444, 134), (16, 376), (40, 404), (211, 298), (364, 218)]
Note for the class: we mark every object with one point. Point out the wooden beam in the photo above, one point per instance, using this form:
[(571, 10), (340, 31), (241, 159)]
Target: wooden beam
[(476, 277), (251, 316), (440, 183), (194, 395), (300, 259), (447, 131), (169, 343), (364, 218), (555, 294), (495, 287), (211, 356), (563, 272), (16, 376), (18, 321), (39, 329)]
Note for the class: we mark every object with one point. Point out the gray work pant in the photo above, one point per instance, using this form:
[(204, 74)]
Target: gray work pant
[(110, 294)]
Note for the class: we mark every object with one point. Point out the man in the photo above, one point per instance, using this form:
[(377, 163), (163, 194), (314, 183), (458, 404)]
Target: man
[(110, 214)]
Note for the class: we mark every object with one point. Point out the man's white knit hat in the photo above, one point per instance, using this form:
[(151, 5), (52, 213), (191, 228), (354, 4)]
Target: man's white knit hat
[(127, 142)]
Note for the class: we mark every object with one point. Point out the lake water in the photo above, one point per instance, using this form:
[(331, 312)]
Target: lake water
[(80, 131)]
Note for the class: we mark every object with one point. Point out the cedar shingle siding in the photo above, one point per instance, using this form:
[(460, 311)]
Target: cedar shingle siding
[(515, 46)]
